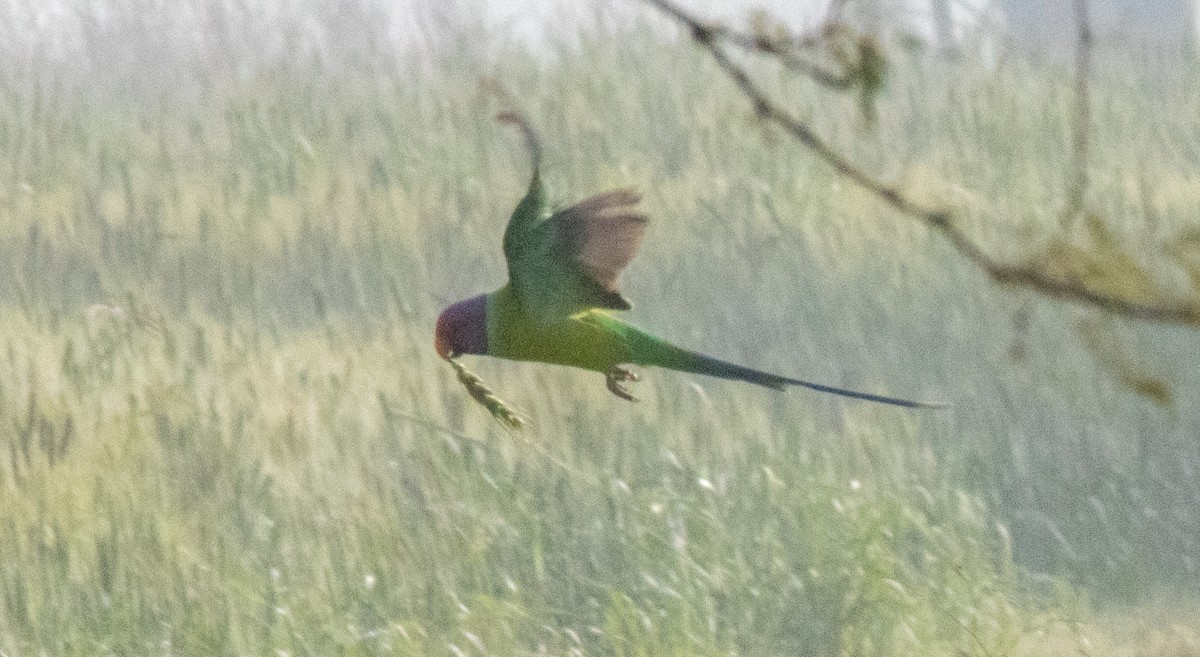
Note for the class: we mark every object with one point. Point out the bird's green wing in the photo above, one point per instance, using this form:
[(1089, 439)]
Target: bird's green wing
[(561, 263)]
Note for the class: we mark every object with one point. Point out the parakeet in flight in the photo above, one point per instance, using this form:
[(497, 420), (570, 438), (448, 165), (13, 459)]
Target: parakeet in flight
[(556, 307)]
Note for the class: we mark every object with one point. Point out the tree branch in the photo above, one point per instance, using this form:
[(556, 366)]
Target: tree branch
[(761, 44), (1180, 311)]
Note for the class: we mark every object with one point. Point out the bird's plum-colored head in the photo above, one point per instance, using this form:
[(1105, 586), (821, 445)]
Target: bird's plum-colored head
[(462, 328)]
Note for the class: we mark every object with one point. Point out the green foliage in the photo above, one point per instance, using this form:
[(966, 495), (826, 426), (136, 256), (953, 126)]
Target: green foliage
[(871, 74), (264, 500)]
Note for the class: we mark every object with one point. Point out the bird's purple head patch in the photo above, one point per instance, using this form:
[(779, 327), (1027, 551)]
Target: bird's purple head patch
[(462, 328)]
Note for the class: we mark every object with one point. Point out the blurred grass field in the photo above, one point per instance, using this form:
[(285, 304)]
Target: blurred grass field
[(225, 430)]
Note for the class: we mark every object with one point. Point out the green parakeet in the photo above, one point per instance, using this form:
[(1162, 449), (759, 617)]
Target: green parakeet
[(563, 267)]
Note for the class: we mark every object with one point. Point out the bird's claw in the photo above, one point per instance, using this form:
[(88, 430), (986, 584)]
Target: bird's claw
[(615, 377)]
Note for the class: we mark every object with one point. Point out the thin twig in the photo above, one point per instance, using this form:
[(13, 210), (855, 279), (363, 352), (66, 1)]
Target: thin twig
[(789, 59), (1083, 64), (1181, 311), (392, 412), (755, 43)]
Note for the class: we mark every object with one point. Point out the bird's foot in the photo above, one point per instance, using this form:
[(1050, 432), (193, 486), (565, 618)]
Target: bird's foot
[(617, 375)]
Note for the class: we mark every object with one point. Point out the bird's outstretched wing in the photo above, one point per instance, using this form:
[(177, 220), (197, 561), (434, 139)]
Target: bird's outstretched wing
[(567, 261)]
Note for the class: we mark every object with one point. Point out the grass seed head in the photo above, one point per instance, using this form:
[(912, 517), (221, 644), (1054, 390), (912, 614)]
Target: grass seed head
[(486, 398)]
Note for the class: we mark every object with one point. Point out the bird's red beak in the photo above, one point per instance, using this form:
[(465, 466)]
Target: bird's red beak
[(441, 341)]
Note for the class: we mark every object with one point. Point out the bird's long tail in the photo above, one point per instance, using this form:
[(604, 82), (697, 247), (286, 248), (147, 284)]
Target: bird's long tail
[(510, 114), (531, 138), (690, 361), (652, 351)]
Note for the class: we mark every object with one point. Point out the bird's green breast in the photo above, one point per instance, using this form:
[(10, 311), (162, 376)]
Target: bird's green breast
[(513, 334)]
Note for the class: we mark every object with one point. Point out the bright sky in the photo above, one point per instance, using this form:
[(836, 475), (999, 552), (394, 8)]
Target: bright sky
[(1045, 21), (528, 19)]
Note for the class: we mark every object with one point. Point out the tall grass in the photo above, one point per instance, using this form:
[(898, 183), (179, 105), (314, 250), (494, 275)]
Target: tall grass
[(226, 432)]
